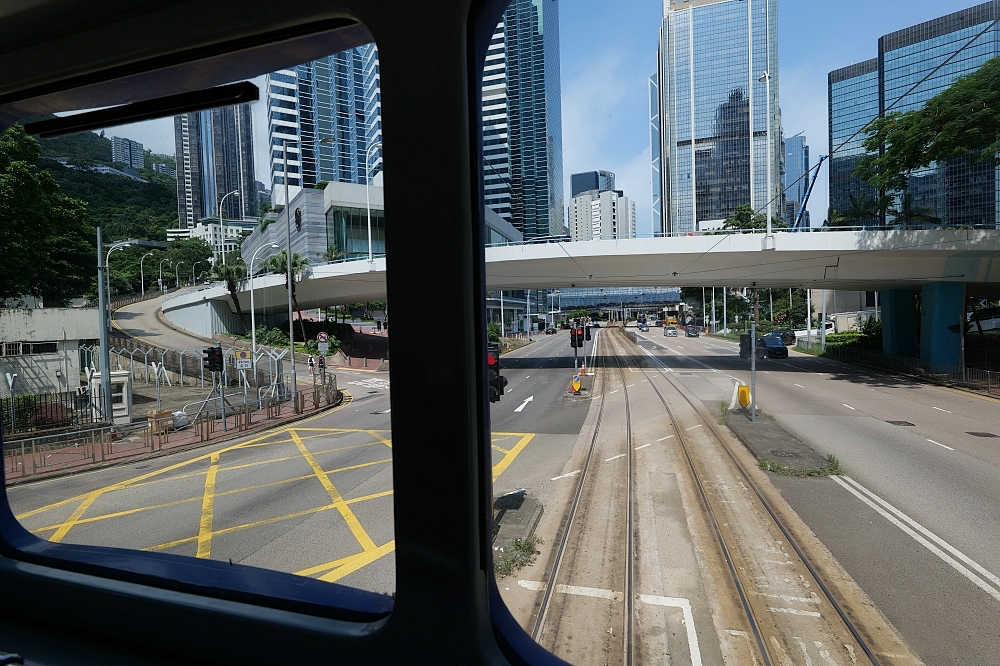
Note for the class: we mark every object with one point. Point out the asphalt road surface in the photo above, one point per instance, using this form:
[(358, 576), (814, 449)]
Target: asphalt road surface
[(916, 519)]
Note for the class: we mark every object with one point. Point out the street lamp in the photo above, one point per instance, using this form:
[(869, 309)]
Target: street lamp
[(117, 246), (161, 272), (766, 78), (177, 274), (193, 280), (222, 223), (288, 258), (142, 276), (253, 318)]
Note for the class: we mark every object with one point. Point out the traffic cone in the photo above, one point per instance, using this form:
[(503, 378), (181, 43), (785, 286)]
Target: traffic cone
[(583, 368)]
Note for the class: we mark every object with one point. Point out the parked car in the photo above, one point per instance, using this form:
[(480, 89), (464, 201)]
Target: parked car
[(692, 332), (771, 346), (550, 331), (670, 331), (595, 324), (786, 337)]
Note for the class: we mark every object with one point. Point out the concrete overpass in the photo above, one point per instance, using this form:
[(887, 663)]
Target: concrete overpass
[(944, 265)]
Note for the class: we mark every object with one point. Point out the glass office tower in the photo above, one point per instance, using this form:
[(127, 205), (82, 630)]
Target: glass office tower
[(958, 192), (853, 94), (712, 57), (522, 120), (796, 179), (335, 97)]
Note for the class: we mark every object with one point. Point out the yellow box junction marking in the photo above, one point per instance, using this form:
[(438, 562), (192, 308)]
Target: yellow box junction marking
[(505, 462), (207, 510)]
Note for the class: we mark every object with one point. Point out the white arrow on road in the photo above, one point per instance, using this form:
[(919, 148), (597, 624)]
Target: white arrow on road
[(525, 403)]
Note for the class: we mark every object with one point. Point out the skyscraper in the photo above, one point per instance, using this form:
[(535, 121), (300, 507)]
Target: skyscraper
[(522, 119), (712, 96), (591, 180), (214, 153), (601, 214), (127, 151), (958, 192), (334, 98), (797, 178), (853, 103)]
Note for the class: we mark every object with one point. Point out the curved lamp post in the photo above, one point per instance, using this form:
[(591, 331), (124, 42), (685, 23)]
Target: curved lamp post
[(142, 276), (222, 222), (253, 318), (177, 274)]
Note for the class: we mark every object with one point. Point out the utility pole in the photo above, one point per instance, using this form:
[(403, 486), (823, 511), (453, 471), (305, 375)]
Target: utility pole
[(104, 404)]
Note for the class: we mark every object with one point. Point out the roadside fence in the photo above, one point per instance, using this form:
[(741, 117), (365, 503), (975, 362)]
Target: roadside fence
[(25, 413), (973, 378)]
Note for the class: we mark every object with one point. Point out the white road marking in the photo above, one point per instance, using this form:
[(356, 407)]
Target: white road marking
[(565, 476), (620, 455), (794, 611), (643, 446), (644, 381), (787, 599), (615, 391), (630, 386), (693, 427), (800, 385), (848, 406), (525, 403), (925, 537), (663, 438), (941, 410), (685, 606), (532, 585), (940, 444)]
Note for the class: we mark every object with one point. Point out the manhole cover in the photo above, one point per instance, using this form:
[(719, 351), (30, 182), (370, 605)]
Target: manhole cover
[(685, 373), (142, 467), (778, 453), (982, 434), (900, 423)]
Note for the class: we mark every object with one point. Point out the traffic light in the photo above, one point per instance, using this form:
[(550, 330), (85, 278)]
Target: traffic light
[(588, 333), (581, 336), (213, 359), (495, 380), (573, 342)]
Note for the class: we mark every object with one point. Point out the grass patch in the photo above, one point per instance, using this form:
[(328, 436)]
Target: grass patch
[(521, 553), (832, 468), (723, 412)]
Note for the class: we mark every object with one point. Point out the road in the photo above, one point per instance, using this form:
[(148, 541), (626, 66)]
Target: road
[(916, 520)]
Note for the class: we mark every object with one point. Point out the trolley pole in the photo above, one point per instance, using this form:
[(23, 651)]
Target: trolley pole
[(753, 372)]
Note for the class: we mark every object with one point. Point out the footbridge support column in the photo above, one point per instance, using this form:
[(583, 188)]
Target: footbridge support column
[(899, 322), (942, 310)]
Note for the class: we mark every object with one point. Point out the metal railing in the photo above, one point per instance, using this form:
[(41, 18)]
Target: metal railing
[(945, 373), (25, 413)]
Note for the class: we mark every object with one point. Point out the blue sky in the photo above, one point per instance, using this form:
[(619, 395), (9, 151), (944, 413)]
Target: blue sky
[(608, 52)]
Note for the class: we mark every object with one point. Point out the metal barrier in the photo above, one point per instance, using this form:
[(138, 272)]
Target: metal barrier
[(25, 413), (973, 378), (29, 456)]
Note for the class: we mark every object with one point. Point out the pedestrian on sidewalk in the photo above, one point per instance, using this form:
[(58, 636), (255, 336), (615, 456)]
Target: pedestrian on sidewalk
[(312, 366)]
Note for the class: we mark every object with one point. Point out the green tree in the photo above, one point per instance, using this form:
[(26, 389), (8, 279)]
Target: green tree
[(187, 251), (233, 272), (49, 251), (278, 263), (962, 121), (744, 219), (906, 213), (860, 210), (333, 253)]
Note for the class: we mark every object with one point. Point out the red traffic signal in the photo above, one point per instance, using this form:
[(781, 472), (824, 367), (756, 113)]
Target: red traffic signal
[(492, 358)]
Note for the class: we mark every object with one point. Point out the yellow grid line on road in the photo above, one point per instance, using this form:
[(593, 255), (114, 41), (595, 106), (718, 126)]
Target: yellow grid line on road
[(501, 450), (268, 521), (207, 510), (352, 521), (358, 561), (505, 462), (186, 500)]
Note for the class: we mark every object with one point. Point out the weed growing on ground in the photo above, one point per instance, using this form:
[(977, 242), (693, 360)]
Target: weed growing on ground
[(521, 553), (832, 468), (723, 412)]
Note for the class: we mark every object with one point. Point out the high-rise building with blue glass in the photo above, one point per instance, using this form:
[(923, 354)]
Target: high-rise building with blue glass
[(336, 98), (717, 66), (796, 179), (962, 191), (522, 120)]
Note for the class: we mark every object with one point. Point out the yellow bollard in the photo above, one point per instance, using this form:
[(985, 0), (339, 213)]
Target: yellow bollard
[(743, 395)]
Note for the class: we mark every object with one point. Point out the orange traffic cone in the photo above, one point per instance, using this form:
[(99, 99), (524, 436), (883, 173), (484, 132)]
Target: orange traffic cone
[(583, 368)]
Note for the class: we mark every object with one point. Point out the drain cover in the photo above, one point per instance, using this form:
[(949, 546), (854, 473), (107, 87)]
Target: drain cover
[(900, 423), (142, 467), (982, 434), (685, 373)]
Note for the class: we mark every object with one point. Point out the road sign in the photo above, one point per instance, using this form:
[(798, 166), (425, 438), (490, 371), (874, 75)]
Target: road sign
[(576, 383), (244, 359), (743, 395), (322, 336), (324, 347)]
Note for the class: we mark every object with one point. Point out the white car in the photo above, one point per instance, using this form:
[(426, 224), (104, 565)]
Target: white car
[(670, 331)]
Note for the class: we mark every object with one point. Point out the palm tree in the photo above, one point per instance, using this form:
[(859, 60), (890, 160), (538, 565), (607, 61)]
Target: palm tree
[(232, 274), (860, 210), (333, 253), (278, 263), (835, 218), (906, 213)]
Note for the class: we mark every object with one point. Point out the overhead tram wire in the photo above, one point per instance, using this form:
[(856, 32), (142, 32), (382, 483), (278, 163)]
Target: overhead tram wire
[(864, 128)]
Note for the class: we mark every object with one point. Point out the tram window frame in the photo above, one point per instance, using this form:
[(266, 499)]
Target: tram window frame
[(445, 584)]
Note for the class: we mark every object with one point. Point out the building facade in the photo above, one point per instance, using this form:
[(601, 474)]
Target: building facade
[(522, 120), (717, 80), (591, 180), (596, 214), (958, 192), (796, 179), (214, 156), (329, 113), (853, 94), (127, 151)]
